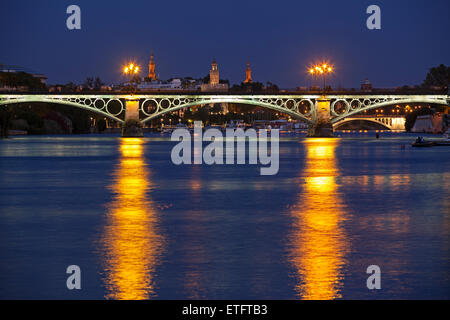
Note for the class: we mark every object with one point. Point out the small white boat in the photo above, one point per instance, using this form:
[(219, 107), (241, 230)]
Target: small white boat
[(447, 134)]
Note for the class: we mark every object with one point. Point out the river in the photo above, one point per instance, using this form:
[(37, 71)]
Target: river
[(140, 227)]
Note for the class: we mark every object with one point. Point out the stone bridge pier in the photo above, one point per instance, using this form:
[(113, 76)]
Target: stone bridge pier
[(132, 127), (322, 126)]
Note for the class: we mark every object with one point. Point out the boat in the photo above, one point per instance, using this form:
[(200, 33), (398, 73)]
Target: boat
[(423, 144), (420, 142)]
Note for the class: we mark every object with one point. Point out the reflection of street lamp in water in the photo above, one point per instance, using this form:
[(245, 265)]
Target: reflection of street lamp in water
[(132, 244), (319, 246)]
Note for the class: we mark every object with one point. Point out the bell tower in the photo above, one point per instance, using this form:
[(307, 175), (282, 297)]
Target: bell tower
[(151, 68), (214, 74), (248, 74)]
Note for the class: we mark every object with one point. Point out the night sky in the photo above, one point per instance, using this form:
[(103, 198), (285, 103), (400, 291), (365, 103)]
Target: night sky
[(279, 38)]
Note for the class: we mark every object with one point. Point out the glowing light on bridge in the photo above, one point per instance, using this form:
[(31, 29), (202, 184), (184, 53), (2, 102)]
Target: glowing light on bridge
[(321, 69), (131, 69)]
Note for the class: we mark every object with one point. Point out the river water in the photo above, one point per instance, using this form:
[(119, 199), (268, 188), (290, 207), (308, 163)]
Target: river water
[(140, 227)]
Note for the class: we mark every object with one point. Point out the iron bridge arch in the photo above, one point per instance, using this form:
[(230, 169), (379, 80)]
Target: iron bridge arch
[(97, 104), (357, 104), (285, 104), (336, 125)]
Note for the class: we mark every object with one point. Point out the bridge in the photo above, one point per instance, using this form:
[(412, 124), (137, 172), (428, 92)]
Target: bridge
[(389, 122), (320, 112)]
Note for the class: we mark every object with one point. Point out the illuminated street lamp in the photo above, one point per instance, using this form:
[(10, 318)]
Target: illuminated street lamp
[(131, 70), (322, 69)]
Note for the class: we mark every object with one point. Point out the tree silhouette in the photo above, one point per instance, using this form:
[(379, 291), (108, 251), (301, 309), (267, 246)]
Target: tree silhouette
[(438, 76)]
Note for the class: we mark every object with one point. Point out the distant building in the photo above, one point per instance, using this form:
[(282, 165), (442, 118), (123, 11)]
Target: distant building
[(435, 123), (16, 69), (152, 83), (366, 86), (151, 68), (248, 74), (214, 80), (11, 89), (55, 88), (174, 84), (105, 88), (214, 74), (41, 77), (5, 68)]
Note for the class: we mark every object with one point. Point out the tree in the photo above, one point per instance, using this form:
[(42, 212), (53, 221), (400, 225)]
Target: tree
[(271, 87), (438, 76), (19, 79), (70, 87), (89, 83), (236, 88), (247, 87), (202, 114), (93, 83), (256, 86), (98, 84)]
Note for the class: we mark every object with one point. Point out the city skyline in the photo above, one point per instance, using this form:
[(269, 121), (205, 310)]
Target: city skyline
[(185, 41)]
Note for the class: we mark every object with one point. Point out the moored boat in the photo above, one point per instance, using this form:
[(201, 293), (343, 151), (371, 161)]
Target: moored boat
[(423, 144)]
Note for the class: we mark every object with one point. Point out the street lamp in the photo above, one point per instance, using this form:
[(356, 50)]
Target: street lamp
[(131, 70), (321, 70)]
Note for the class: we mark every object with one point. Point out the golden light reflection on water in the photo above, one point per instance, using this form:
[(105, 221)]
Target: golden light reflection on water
[(195, 251), (319, 245), (132, 243)]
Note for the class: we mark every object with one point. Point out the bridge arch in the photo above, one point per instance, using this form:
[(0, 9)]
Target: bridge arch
[(63, 101), (378, 103), (293, 112), (336, 125)]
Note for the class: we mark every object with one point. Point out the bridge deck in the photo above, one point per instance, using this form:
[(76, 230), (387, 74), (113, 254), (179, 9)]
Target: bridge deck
[(200, 93)]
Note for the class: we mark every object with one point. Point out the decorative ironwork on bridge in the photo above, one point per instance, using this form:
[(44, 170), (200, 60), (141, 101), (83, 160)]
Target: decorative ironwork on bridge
[(150, 106), (111, 106), (300, 107), (350, 105)]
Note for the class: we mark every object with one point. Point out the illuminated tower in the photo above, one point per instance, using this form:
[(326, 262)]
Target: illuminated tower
[(248, 74), (214, 74), (151, 69)]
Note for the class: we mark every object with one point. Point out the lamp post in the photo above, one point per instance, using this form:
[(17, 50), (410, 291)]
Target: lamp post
[(131, 71), (321, 70)]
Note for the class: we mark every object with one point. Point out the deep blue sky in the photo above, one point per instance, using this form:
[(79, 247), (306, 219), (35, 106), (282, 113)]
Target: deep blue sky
[(279, 38)]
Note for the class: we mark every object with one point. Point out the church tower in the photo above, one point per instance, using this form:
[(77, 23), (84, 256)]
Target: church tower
[(248, 74), (214, 74), (214, 84), (151, 68)]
